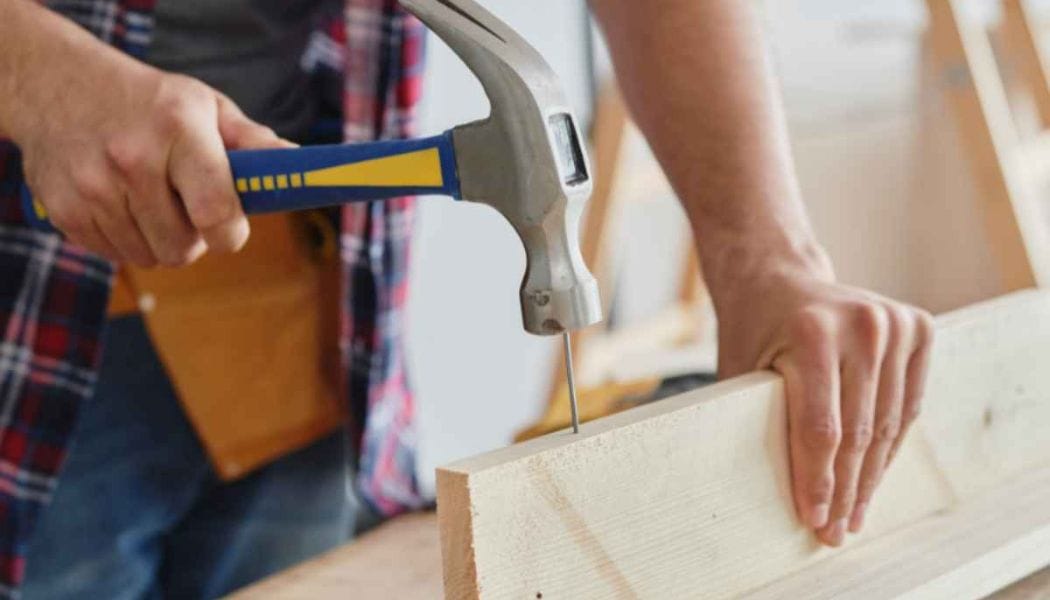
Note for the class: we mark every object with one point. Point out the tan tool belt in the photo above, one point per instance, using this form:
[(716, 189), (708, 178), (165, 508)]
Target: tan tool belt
[(250, 340)]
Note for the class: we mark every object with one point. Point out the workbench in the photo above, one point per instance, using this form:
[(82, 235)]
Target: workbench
[(402, 560)]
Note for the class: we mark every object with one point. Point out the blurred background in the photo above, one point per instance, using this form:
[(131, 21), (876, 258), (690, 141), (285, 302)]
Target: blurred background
[(882, 165)]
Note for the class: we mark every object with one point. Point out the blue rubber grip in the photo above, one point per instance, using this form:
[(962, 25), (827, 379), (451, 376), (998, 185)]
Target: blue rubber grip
[(316, 176)]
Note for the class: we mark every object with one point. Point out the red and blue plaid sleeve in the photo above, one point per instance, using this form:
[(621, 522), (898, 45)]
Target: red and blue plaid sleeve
[(52, 309)]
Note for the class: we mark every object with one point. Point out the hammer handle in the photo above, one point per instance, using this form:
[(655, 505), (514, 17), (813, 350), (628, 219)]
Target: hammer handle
[(315, 176)]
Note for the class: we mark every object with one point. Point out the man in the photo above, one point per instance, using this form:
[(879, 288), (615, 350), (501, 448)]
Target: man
[(129, 161)]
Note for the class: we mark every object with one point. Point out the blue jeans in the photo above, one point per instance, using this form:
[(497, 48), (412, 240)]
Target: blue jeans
[(139, 512)]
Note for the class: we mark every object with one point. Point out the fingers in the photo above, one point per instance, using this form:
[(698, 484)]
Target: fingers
[(91, 238), (915, 384), (167, 228), (149, 211), (888, 408), (94, 214), (114, 220), (200, 174), (854, 376), (811, 379)]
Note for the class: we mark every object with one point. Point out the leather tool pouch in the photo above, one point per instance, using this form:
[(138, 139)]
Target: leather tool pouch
[(250, 342)]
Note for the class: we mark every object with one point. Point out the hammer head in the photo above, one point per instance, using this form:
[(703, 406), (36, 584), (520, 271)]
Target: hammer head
[(526, 160)]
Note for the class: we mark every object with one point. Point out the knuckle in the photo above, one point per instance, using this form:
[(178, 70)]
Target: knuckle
[(844, 503), (899, 320), (869, 321), (856, 439), (812, 326), (179, 100), (820, 490), (128, 157), (89, 184), (211, 208), (924, 326), (822, 435), (887, 431)]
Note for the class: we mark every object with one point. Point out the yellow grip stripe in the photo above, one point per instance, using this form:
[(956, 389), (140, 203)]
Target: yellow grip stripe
[(421, 168)]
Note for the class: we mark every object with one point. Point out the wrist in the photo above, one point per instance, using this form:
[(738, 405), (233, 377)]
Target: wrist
[(738, 267), (49, 66)]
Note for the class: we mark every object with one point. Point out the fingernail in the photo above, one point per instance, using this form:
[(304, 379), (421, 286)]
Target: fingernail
[(817, 516), (856, 522)]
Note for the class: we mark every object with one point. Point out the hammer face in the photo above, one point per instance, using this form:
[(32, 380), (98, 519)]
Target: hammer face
[(526, 160)]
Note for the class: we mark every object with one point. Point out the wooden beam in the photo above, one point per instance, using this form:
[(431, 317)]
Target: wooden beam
[(690, 497)]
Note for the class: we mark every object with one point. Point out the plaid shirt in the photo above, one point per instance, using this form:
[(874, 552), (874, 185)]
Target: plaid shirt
[(53, 295)]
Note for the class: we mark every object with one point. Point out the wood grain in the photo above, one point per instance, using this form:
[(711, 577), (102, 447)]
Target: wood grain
[(689, 497)]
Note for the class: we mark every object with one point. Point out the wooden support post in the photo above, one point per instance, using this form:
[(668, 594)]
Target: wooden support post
[(975, 90), (690, 497), (1021, 35)]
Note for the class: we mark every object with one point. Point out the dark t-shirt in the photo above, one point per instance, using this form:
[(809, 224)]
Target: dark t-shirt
[(248, 49)]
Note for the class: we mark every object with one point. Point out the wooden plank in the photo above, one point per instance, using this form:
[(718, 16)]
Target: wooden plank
[(690, 496), (400, 559)]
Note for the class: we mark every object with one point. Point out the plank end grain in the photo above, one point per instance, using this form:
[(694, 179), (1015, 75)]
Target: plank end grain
[(455, 525)]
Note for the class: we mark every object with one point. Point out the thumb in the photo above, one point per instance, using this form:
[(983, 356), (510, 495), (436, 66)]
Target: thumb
[(241, 133)]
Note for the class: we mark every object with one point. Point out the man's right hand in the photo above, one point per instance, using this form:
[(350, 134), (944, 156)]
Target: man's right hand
[(129, 161)]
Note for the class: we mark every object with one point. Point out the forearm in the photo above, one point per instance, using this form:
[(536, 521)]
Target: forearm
[(42, 57), (696, 78)]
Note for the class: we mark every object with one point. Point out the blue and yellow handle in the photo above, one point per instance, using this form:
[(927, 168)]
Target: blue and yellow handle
[(315, 176)]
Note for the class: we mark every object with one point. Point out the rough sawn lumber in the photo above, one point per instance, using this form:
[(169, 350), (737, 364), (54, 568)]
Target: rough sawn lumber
[(689, 497)]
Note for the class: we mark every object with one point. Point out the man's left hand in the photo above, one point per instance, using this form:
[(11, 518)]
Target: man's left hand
[(854, 366)]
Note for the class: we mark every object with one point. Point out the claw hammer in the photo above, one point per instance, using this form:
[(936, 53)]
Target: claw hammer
[(526, 160)]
